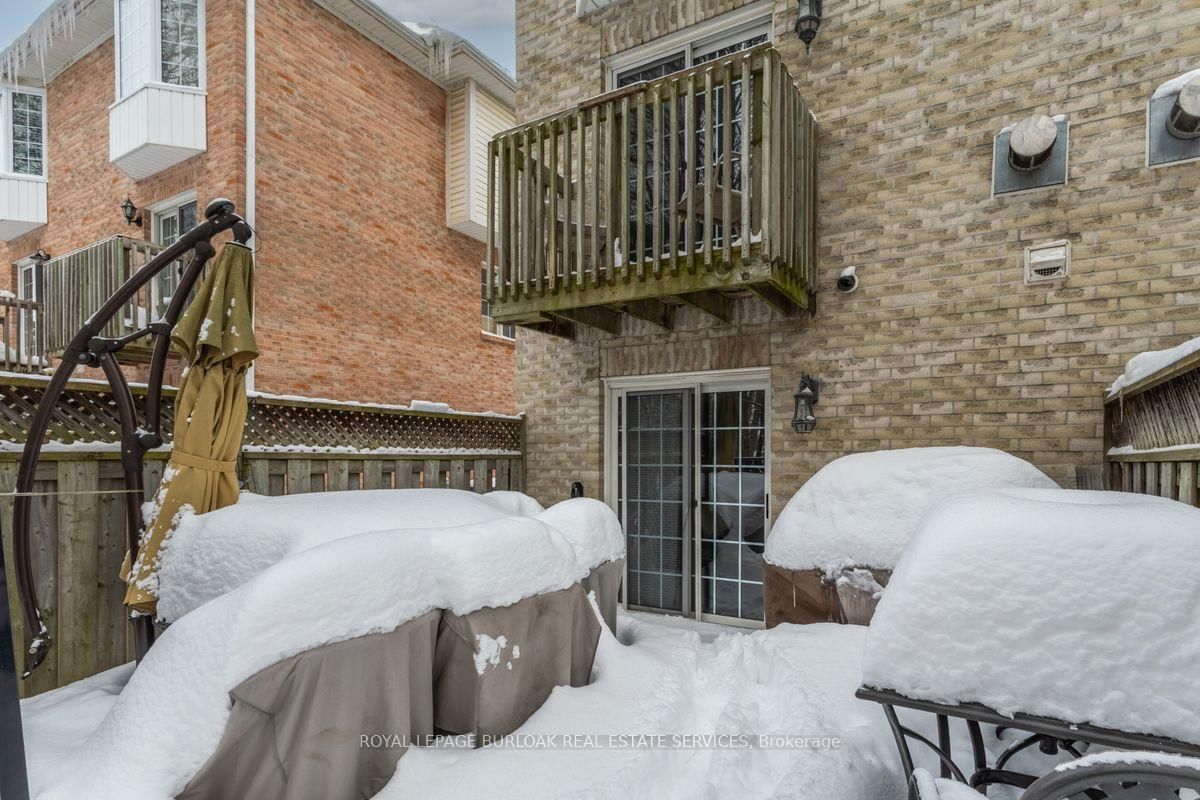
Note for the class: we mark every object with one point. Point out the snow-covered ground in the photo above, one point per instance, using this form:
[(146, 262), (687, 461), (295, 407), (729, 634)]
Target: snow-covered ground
[(699, 696)]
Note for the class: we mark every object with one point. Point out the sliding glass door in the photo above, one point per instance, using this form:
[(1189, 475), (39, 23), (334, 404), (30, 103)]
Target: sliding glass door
[(690, 485)]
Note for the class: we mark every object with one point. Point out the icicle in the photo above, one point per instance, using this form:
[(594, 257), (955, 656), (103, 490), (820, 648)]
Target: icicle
[(441, 44), (52, 24)]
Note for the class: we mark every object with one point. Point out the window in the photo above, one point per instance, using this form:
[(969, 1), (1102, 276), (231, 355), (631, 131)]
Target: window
[(170, 220), (489, 325), (706, 43), (23, 138), (159, 41), (747, 27), (28, 288)]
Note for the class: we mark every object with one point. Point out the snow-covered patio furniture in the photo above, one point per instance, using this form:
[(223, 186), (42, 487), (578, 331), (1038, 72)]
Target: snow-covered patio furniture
[(831, 553), (1070, 616), (314, 639)]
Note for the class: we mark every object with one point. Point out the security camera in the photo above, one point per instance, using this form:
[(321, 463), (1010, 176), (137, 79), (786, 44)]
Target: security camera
[(847, 282)]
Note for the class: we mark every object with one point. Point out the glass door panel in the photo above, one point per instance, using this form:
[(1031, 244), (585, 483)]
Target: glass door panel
[(657, 498), (733, 462)]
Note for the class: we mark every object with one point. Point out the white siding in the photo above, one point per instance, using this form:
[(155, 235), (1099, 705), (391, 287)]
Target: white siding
[(22, 205), (155, 128), (473, 118), (457, 155), (136, 37)]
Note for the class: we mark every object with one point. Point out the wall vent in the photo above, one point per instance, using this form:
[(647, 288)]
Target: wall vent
[(1047, 262)]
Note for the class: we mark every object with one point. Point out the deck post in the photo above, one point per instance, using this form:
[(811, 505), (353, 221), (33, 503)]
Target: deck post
[(14, 779)]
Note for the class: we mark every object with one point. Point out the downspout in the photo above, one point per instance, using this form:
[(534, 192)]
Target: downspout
[(251, 140)]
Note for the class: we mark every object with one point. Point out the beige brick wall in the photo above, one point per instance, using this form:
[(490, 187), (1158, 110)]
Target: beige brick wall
[(943, 343)]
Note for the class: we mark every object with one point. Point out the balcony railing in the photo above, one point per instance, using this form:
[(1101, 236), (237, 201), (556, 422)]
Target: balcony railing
[(75, 285), (22, 341), (686, 189)]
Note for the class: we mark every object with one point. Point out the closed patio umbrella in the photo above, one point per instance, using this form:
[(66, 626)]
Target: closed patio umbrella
[(216, 337)]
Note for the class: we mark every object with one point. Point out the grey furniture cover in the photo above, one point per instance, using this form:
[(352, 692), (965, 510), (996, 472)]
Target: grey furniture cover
[(296, 728)]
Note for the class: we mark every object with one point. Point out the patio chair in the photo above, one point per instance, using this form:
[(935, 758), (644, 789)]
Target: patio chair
[(958, 636), (1143, 767)]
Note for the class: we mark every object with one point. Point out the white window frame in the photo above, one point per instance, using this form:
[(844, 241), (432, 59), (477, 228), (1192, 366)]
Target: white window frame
[(156, 28), (27, 327), (6, 163), (702, 37), (171, 204), (157, 211)]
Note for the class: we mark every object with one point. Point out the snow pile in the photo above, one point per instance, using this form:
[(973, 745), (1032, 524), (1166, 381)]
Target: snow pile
[(1175, 84), (172, 713), (671, 716), (863, 509), (210, 554), (1145, 364), (1080, 606)]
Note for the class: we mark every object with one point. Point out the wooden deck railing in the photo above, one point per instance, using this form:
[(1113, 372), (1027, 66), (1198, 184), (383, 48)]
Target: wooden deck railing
[(22, 339), (1152, 434), (685, 189), (76, 284)]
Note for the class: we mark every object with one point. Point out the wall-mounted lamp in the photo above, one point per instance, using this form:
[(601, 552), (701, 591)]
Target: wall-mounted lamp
[(1173, 121), (809, 22), (131, 213), (803, 419)]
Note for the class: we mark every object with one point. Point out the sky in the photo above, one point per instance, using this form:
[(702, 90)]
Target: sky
[(489, 24)]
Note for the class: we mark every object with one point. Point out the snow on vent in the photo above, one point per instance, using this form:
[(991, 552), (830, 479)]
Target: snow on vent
[(1047, 262), (584, 7)]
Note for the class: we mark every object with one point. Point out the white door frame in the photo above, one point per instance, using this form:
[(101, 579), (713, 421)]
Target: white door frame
[(615, 390)]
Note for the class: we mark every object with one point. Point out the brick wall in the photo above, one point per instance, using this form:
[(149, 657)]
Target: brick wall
[(86, 191), (363, 292), (943, 343)]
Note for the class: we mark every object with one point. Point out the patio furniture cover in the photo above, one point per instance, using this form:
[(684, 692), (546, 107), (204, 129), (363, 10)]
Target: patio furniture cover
[(297, 728), (216, 338)]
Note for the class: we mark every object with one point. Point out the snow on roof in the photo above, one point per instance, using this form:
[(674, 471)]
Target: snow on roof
[(864, 508), (1143, 365), (171, 715), (1076, 605)]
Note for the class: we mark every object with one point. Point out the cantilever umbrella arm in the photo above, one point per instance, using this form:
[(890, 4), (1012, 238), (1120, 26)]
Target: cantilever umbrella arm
[(89, 348)]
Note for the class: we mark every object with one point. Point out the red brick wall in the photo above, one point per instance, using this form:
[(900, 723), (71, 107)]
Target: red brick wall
[(86, 191), (363, 292)]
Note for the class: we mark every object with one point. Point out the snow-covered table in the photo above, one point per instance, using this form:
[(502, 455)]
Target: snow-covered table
[(831, 553), (301, 624), (1069, 615)]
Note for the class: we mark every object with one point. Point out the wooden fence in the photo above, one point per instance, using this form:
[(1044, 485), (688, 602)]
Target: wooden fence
[(1152, 434), (78, 522)]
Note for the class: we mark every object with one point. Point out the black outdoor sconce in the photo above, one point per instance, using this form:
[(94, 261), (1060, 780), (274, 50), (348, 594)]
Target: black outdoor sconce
[(803, 419), (129, 210), (809, 22)]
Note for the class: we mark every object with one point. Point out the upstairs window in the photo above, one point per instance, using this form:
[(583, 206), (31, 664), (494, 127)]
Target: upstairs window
[(159, 41), (23, 136)]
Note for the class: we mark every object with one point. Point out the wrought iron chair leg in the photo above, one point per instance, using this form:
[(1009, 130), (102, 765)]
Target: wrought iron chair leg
[(943, 733)]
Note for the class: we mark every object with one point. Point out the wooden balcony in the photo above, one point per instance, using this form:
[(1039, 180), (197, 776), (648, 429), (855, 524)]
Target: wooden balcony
[(689, 189), (73, 286), (22, 343)]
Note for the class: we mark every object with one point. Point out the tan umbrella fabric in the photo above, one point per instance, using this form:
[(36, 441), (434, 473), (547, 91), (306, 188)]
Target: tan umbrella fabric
[(216, 337)]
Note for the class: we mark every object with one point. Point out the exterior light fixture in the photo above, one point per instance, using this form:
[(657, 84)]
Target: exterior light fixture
[(803, 420), (809, 22), (131, 213), (41, 257)]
